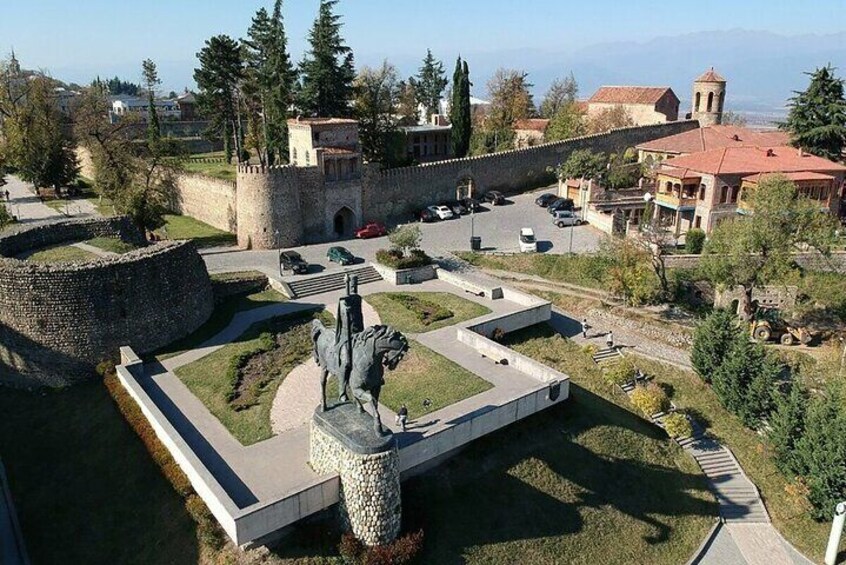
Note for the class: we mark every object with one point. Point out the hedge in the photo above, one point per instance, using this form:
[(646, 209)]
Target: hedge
[(396, 259)]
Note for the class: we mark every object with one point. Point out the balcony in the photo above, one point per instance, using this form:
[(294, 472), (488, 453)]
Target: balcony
[(676, 200)]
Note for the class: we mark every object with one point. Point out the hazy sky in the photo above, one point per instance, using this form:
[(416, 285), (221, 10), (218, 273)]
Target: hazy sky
[(76, 40)]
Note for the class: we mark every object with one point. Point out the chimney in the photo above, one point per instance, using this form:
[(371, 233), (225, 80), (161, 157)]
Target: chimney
[(770, 153), (801, 152)]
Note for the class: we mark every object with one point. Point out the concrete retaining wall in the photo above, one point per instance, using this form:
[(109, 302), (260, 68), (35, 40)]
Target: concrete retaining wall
[(508, 323), (490, 290), (399, 277), (501, 353)]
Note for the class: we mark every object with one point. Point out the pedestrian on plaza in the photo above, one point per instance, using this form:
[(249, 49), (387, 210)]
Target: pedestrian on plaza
[(402, 416), (585, 327), (8, 198), (609, 340)]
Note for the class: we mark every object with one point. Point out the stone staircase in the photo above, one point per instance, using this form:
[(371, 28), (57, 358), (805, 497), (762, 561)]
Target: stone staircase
[(334, 281), (607, 356)]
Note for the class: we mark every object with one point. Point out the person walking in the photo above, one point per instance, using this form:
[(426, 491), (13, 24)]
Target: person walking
[(585, 327), (609, 340), (402, 416), (8, 197)]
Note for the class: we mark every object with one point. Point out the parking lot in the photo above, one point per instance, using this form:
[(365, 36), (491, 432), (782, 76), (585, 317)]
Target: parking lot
[(498, 226)]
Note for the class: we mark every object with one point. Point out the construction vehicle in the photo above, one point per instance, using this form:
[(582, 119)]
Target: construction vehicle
[(768, 326)]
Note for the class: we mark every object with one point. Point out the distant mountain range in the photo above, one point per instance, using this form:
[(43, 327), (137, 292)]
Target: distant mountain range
[(762, 68)]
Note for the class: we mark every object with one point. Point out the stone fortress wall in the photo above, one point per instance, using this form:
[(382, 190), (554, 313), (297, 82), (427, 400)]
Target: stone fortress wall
[(287, 205), (57, 321)]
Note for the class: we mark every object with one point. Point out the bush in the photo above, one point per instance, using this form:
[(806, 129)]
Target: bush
[(402, 550), (5, 217), (620, 373), (427, 312), (694, 241), (677, 425), (650, 399), (396, 259)]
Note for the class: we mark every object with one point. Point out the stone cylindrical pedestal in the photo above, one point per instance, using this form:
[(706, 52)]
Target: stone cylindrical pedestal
[(343, 442)]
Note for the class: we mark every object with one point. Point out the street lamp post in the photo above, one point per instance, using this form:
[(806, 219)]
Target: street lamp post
[(836, 532)]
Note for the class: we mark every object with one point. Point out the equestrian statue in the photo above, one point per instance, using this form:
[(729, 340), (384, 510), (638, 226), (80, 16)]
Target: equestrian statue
[(356, 356)]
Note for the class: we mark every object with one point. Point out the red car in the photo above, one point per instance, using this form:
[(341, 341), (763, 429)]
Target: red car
[(373, 229)]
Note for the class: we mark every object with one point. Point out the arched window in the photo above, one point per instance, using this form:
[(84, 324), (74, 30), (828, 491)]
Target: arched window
[(698, 101), (724, 194), (701, 192), (710, 101), (722, 101), (735, 190), (669, 187)]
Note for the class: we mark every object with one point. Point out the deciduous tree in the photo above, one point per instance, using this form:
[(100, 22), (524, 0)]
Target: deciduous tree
[(511, 99), (609, 118), (568, 122), (376, 95), (561, 93)]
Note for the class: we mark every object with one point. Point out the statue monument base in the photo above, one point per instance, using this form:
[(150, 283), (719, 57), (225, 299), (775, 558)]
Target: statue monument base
[(343, 441)]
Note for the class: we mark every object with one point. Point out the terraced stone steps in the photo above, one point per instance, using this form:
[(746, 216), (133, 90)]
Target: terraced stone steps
[(608, 355), (334, 281)]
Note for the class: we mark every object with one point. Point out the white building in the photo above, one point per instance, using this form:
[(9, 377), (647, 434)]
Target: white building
[(134, 106)]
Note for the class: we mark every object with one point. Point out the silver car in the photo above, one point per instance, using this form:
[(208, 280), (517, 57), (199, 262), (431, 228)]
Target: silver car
[(563, 218)]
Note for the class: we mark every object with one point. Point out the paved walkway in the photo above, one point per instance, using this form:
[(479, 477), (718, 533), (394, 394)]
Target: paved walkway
[(28, 208), (746, 536)]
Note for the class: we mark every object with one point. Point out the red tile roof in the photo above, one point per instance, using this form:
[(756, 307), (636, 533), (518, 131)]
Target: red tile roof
[(710, 76), (751, 160), (630, 95), (715, 137), (803, 175), (680, 173), (532, 124)]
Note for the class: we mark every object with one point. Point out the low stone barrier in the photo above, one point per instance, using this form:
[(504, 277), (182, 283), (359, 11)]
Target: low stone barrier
[(399, 277), (490, 290)]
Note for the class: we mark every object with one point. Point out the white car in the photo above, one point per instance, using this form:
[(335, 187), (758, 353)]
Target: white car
[(442, 212), (563, 218), (528, 243)]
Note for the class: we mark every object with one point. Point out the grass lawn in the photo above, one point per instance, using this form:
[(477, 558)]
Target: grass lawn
[(104, 206), (394, 313), (204, 235), (581, 270), (84, 486), (426, 374), (220, 170), (220, 318), (62, 254), (207, 377), (111, 244)]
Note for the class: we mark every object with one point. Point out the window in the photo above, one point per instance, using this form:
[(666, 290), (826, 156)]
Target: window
[(669, 188), (722, 101), (710, 101), (701, 192), (734, 192), (697, 221), (698, 101), (294, 155), (724, 194)]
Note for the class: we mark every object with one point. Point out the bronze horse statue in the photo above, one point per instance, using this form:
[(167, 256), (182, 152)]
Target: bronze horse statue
[(361, 366)]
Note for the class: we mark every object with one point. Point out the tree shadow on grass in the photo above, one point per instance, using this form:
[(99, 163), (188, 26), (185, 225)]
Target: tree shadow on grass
[(553, 475)]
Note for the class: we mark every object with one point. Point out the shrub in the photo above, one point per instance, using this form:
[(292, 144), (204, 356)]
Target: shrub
[(396, 259), (677, 425), (694, 241), (427, 312), (620, 373), (5, 217), (403, 550), (405, 238), (650, 399)]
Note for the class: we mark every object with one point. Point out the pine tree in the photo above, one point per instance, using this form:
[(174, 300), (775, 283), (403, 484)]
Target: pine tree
[(218, 78), (269, 66), (459, 111), (745, 381), (711, 343), (430, 84), (817, 118), (787, 424), (327, 70), (151, 81)]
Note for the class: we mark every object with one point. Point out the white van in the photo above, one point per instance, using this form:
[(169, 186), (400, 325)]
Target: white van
[(528, 243)]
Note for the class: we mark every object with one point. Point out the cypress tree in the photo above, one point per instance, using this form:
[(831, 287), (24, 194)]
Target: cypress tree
[(787, 424), (817, 118), (151, 80), (327, 69), (459, 111)]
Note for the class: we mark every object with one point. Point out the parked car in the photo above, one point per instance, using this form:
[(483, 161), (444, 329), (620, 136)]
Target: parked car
[(528, 243), (372, 229), (561, 204), (563, 218), (457, 207), (545, 200), (428, 216), (292, 261), (495, 197), (471, 204), (340, 255), (442, 212)]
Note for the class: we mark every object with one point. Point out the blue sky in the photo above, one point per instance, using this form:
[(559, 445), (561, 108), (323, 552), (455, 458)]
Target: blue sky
[(75, 40)]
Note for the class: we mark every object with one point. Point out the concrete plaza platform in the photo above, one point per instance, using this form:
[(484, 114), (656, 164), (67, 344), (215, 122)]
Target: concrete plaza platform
[(259, 489)]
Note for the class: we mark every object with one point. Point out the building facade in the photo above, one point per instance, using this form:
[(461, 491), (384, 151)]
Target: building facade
[(701, 189), (529, 132), (645, 104), (428, 143)]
